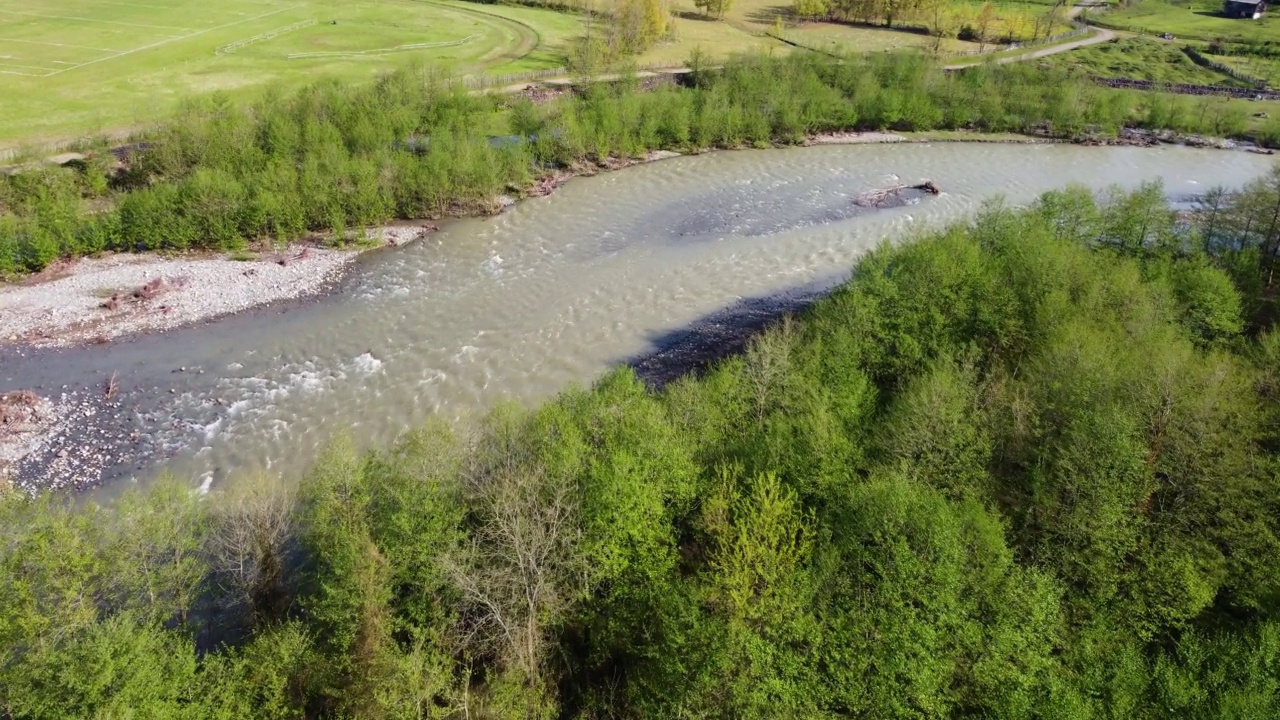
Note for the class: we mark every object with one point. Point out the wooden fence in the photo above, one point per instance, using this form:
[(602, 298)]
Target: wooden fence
[(1202, 61)]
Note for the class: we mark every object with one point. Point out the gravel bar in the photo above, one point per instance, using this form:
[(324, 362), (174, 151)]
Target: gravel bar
[(97, 299)]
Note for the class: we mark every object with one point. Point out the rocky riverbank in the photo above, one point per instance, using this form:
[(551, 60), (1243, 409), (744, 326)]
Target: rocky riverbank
[(62, 442), (26, 420), (95, 300), (63, 439)]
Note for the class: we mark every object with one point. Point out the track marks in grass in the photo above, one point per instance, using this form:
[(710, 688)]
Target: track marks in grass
[(61, 45), (166, 8), (381, 51), (527, 37), (94, 20), (150, 71), (166, 41), (4, 71), (26, 67)]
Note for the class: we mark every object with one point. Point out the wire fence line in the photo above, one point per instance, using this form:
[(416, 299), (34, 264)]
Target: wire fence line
[(233, 46), (1187, 89), (381, 51)]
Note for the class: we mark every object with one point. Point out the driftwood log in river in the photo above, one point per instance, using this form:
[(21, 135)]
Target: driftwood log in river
[(17, 409), (24, 417), (893, 195)]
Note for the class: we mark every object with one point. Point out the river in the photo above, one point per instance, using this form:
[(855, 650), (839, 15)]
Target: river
[(552, 292)]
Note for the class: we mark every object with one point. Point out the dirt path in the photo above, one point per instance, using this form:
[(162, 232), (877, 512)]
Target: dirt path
[(1100, 35)]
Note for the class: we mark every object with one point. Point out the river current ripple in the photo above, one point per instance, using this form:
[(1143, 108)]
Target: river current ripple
[(656, 264)]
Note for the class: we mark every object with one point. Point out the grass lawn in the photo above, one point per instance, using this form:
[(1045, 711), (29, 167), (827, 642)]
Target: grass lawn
[(847, 38), (1193, 20), (77, 67), (717, 39), (1139, 59), (1263, 68), (1261, 113)]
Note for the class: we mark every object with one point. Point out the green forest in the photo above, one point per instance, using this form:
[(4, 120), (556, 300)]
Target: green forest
[(1025, 467), (331, 159)]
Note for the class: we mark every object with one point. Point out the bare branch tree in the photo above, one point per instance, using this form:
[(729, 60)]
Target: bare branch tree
[(253, 526), (522, 567)]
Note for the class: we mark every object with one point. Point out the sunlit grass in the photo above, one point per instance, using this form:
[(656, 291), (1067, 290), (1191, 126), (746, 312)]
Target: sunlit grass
[(71, 68), (1193, 20), (1139, 59)]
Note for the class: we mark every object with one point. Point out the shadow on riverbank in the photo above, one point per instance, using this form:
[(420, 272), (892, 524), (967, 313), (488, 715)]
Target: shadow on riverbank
[(720, 334)]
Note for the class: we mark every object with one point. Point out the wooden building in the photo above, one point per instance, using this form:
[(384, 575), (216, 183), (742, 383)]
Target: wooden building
[(1248, 9)]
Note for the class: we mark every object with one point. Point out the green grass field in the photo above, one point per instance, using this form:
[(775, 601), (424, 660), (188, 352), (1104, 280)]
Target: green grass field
[(77, 67), (1139, 59), (719, 40), (1263, 68), (716, 39), (845, 39), (1199, 20)]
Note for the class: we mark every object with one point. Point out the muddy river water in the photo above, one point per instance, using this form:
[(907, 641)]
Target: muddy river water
[(552, 292)]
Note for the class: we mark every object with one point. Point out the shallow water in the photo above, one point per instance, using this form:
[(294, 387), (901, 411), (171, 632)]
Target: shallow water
[(554, 291)]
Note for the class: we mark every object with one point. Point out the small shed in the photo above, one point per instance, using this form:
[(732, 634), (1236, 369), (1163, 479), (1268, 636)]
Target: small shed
[(1247, 9)]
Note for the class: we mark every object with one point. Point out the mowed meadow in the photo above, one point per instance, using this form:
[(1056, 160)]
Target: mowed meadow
[(80, 67), (1192, 19), (74, 69)]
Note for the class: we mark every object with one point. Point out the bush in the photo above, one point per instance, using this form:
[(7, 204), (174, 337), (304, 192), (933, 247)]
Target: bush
[(1022, 466)]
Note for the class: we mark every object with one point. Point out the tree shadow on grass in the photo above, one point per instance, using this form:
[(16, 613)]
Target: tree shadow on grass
[(695, 15), (769, 15)]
